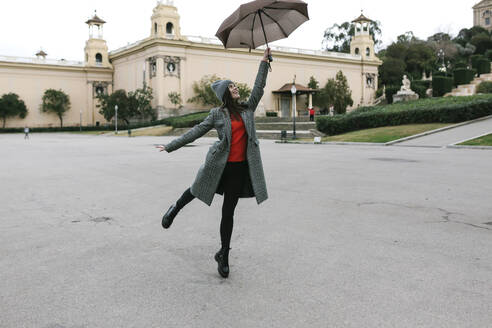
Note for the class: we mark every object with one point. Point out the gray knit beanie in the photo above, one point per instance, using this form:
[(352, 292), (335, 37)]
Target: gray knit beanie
[(220, 88)]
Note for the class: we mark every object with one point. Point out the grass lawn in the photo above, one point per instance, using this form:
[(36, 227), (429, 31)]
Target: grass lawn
[(384, 134), (482, 141)]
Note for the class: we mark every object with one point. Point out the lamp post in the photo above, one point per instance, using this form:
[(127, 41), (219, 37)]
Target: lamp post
[(80, 120), (442, 55), (293, 90), (116, 119)]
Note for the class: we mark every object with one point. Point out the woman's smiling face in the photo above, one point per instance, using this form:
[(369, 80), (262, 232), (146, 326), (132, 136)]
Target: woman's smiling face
[(234, 91)]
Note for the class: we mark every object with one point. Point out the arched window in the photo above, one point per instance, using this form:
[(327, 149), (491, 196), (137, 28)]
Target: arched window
[(99, 58), (155, 28), (368, 52), (169, 28), (357, 51)]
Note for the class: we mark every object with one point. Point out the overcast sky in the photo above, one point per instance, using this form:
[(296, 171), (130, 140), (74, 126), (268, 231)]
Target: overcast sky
[(58, 26)]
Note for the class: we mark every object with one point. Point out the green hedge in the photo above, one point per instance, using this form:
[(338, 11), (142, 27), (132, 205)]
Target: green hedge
[(424, 83), (59, 129), (436, 110), (271, 114), (483, 66), (390, 91), (463, 76), (185, 121), (488, 54), (441, 85), (460, 65), (485, 87), (420, 87), (474, 60)]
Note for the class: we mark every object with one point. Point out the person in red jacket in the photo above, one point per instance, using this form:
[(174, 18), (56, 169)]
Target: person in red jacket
[(311, 114)]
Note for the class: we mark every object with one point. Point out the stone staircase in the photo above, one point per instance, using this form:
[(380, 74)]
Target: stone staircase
[(469, 89), (271, 127)]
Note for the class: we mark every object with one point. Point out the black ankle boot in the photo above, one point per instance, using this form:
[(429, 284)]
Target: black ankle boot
[(222, 258), (168, 218)]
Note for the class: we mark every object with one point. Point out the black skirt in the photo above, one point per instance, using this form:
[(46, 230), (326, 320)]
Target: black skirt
[(234, 177)]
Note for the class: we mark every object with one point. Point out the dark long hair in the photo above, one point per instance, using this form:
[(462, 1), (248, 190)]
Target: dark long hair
[(235, 108)]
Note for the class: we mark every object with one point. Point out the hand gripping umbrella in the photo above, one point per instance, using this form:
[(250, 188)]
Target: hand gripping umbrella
[(258, 22)]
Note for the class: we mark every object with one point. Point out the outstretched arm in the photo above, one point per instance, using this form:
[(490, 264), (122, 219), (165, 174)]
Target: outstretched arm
[(193, 134), (260, 82)]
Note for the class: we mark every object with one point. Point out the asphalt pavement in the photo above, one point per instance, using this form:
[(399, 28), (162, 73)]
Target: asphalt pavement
[(351, 236)]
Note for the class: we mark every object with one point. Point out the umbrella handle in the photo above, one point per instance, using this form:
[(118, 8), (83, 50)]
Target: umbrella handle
[(270, 58)]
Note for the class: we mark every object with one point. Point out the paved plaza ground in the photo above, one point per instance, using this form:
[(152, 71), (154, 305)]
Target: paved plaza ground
[(352, 236)]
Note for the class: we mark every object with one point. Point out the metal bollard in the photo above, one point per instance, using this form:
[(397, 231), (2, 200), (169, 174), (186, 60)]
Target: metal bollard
[(283, 136)]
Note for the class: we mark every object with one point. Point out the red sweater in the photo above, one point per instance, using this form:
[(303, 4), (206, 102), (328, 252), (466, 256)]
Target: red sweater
[(238, 142)]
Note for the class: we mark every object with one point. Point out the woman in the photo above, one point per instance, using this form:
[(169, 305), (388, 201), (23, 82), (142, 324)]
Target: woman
[(233, 164)]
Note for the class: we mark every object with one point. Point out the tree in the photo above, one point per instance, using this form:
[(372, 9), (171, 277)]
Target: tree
[(416, 55), (444, 41), (317, 99), (336, 93), (244, 91), (482, 42), (107, 104), (11, 106), (56, 102), (420, 57), (465, 35), (140, 102), (338, 37), (175, 99), (206, 96), (391, 71), (343, 95)]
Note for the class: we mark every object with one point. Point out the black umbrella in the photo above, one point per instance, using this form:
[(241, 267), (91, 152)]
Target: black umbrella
[(258, 22)]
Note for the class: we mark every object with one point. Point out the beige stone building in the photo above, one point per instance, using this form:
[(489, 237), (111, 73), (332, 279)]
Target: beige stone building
[(170, 62), (482, 14)]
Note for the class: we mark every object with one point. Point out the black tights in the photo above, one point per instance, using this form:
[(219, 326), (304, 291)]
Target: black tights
[(232, 182)]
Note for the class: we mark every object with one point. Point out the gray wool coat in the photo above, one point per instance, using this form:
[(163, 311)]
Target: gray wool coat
[(207, 180)]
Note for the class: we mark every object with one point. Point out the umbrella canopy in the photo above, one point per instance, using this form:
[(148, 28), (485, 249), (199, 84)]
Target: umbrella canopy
[(258, 22)]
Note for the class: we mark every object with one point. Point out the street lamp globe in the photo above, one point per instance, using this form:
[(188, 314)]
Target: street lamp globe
[(293, 90)]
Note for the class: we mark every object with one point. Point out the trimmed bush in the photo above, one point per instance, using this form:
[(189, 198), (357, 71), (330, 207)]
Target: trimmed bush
[(379, 92), (424, 83), (440, 110), (462, 76), (485, 87), (185, 121), (474, 60), (441, 85), (488, 54), (271, 114), (460, 65), (390, 91), (419, 89), (483, 66)]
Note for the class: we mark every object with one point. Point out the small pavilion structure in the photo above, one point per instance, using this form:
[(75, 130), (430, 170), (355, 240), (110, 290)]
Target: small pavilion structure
[(284, 98)]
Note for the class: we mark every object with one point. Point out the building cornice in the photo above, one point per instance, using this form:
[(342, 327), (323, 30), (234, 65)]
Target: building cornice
[(56, 67), (154, 42), (482, 4)]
